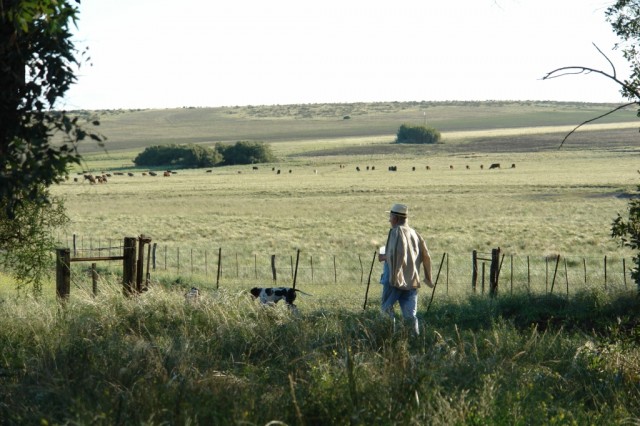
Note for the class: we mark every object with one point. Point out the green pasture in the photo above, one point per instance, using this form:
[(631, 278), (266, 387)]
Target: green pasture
[(553, 202), (559, 345)]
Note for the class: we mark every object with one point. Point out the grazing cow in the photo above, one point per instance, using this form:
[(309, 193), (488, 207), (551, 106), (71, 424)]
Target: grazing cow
[(413, 169), (272, 295), (428, 168), (130, 174), (153, 174), (90, 178), (255, 167), (393, 168), (481, 166), (278, 172), (468, 167), (144, 173), (290, 170), (513, 166), (494, 166), (451, 167), (166, 174), (373, 167), (75, 179), (209, 171), (357, 168)]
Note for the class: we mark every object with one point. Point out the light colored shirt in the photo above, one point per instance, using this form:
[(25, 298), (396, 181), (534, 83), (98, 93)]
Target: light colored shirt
[(406, 251)]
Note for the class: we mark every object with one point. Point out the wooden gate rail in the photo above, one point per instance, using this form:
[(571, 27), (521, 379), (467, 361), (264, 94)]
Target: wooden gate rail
[(132, 283)]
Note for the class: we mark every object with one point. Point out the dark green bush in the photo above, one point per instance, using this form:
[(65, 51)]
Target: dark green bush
[(245, 152), (417, 135), (196, 156), (184, 156)]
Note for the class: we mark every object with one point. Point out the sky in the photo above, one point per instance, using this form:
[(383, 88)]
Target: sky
[(209, 53)]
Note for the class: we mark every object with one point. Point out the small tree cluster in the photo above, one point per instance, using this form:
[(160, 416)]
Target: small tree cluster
[(197, 156), (245, 152), (184, 156), (417, 135)]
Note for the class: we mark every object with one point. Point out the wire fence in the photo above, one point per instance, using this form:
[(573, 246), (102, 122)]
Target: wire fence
[(558, 274)]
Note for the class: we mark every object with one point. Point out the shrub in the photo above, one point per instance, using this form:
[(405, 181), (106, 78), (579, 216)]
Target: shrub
[(186, 156), (417, 135), (245, 152)]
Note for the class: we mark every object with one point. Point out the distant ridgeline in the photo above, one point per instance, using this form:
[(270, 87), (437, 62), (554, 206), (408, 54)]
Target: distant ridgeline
[(197, 156)]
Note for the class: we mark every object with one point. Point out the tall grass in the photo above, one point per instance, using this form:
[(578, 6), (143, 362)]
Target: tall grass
[(158, 359)]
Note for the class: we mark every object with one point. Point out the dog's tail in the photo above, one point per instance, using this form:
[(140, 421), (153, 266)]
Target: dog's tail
[(300, 291)]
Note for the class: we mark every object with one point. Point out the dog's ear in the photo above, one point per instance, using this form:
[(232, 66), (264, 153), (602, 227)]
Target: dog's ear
[(255, 292)]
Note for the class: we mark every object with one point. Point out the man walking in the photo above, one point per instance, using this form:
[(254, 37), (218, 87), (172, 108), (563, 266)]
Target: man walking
[(405, 252)]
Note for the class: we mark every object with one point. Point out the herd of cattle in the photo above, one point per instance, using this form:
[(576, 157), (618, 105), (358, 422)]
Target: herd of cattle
[(103, 177)]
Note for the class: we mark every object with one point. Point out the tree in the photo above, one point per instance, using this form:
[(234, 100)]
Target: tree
[(624, 17), (37, 143), (186, 156), (245, 152), (27, 240), (417, 134), (37, 64)]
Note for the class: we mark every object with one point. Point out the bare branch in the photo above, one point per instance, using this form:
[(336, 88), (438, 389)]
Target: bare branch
[(594, 119), (608, 60)]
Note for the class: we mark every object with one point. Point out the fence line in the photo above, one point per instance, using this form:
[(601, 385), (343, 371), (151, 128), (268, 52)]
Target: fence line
[(539, 274)]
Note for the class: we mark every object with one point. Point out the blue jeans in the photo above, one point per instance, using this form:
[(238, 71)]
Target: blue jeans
[(407, 299), (384, 280)]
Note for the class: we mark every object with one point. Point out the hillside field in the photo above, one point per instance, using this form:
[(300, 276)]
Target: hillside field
[(536, 354), (554, 201)]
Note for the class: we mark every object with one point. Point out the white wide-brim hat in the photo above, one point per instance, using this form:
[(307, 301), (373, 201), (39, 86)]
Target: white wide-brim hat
[(399, 210)]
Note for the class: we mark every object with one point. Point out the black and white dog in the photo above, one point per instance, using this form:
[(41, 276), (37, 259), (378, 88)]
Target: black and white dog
[(272, 295), (192, 295)]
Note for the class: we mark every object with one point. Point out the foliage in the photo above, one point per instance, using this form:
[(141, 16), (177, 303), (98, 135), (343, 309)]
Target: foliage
[(245, 152), (225, 360), (624, 17), (26, 241), (628, 232), (196, 156), (37, 58), (37, 143), (185, 156), (417, 135)]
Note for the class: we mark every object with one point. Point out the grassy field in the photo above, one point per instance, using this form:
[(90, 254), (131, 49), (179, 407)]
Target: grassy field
[(555, 201), (525, 358)]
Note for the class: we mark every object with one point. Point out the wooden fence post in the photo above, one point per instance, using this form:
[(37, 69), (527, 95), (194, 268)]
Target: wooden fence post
[(295, 274), (129, 266), (273, 268), (219, 267), (566, 275), (605, 272), (494, 272), (474, 270), (63, 273), (555, 272), (94, 279), (140, 263)]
